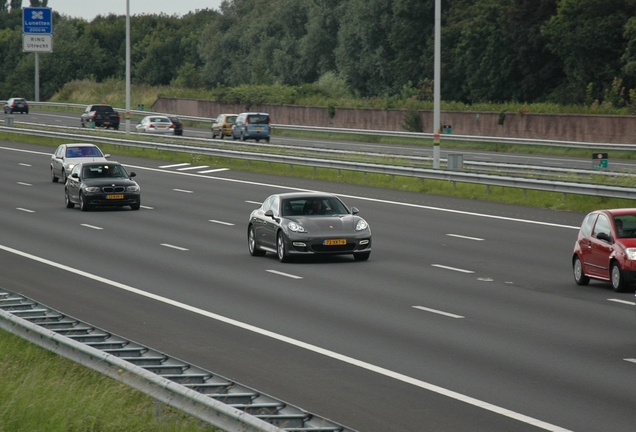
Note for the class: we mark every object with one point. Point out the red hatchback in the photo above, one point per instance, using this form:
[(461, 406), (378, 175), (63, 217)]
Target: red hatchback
[(606, 248)]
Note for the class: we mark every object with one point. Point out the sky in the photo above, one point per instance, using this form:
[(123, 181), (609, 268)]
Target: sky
[(89, 9)]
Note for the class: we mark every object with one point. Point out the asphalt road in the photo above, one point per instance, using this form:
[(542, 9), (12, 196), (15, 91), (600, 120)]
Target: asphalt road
[(466, 316)]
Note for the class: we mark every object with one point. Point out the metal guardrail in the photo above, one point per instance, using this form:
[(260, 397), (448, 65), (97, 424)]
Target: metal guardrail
[(423, 135), (393, 170), (198, 392)]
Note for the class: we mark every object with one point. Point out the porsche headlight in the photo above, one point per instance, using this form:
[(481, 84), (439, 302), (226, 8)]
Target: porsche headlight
[(295, 227), (362, 225), (630, 253)]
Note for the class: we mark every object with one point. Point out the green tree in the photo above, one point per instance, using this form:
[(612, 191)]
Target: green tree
[(318, 44), (587, 35), (74, 57), (364, 52)]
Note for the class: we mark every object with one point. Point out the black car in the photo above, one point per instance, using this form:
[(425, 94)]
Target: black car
[(16, 105), (101, 184), (178, 126), (307, 223)]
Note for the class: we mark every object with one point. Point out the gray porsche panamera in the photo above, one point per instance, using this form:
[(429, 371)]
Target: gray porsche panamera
[(307, 223)]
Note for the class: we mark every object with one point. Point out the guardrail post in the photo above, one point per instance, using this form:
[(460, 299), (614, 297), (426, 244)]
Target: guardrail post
[(8, 120)]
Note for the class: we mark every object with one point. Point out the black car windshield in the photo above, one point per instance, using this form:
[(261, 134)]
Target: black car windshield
[(73, 152), (625, 225), (313, 206), (106, 170)]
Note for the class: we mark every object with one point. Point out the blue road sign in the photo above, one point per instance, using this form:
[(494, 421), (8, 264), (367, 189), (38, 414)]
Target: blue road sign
[(37, 20)]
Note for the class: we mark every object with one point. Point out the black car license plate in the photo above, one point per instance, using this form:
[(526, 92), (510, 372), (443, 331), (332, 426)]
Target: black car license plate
[(114, 197)]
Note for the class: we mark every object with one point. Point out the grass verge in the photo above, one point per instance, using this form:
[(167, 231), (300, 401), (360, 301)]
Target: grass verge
[(42, 391)]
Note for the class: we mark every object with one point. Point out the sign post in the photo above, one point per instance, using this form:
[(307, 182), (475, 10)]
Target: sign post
[(37, 36), (599, 161)]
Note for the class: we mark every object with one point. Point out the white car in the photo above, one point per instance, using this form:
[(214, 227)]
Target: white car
[(155, 124), (66, 156)]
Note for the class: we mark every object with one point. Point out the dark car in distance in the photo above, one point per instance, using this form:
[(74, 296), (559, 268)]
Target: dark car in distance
[(605, 249), (16, 105), (307, 223), (178, 125), (101, 184), (100, 115)]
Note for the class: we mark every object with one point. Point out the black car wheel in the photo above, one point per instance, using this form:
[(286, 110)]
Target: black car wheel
[(67, 200), (54, 178), (83, 204), (361, 256), (579, 277), (251, 243), (281, 249), (618, 283)]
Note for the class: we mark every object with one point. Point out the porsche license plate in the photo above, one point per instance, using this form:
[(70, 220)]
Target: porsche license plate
[(114, 196), (335, 242)]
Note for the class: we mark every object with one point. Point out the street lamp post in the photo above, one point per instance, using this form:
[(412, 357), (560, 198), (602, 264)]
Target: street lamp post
[(436, 85), (127, 67)]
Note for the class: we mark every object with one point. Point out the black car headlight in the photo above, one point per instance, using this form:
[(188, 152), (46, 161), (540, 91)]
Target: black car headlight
[(134, 188), (91, 189)]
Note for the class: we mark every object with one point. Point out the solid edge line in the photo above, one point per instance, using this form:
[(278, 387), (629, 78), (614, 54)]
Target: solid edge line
[(361, 364)]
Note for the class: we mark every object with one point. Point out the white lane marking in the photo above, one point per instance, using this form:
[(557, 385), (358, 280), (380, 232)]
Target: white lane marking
[(309, 347), (269, 185), (630, 360), (92, 227), (284, 274), (622, 301), (183, 190), (221, 222), (25, 210), (465, 237), (147, 208), (445, 210), (174, 247), (25, 164), (174, 165), (25, 184), (438, 312), (213, 170), (192, 168), (254, 202), (452, 268)]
